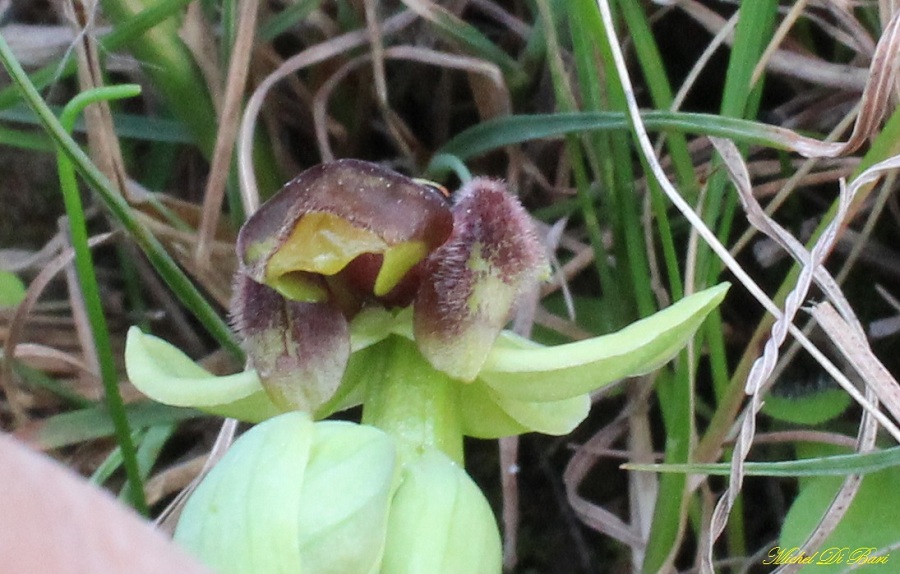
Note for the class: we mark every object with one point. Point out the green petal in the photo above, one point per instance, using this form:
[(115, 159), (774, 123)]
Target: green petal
[(165, 374), (526, 373), (488, 414), (440, 522), (482, 417)]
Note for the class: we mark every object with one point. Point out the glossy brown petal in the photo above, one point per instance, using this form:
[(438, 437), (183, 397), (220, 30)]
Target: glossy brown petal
[(299, 350), (471, 283), (335, 213)]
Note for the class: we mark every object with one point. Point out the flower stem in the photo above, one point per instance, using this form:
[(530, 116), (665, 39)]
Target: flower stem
[(408, 398)]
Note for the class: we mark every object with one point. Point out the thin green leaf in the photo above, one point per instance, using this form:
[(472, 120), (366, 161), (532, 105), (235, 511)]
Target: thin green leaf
[(88, 424), (155, 252), (87, 279), (837, 465), (509, 130), (130, 126)]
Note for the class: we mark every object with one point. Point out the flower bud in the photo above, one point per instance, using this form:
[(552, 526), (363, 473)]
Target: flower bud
[(296, 497), (440, 522)]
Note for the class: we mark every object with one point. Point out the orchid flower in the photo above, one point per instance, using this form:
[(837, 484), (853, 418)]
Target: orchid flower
[(358, 285)]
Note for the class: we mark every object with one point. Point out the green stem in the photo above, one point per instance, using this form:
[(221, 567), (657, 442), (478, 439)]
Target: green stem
[(84, 267), (409, 399)]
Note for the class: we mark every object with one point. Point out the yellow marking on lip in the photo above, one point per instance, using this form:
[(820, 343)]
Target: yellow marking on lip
[(398, 260), (321, 243)]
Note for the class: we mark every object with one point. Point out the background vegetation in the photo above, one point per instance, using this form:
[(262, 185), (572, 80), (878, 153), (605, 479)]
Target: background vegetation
[(532, 91)]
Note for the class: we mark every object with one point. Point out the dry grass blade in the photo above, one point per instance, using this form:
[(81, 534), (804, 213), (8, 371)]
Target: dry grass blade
[(102, 139), (511, 516), (308, 57), (168, 518), (180, 241), (761, 221), (17, 323), (764, 366), (643, 487), (199, 38), (875, 98), (174, 479), (49, 359), (83, 330), (858, 353), (581, 463), (410, 53), (228, 127)]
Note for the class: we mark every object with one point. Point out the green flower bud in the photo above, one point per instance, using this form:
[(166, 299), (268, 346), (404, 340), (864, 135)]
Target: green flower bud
[(296, 497), (440, 522)]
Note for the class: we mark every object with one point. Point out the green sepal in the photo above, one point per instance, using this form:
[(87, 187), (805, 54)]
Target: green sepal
[(528, 372), (165, 374), (488, 414)]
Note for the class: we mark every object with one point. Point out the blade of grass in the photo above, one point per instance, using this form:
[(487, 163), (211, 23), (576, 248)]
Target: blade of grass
[(24, 140), (180, 284), (651, 62), (112, 462), (118, 37), (674, 390), (38, 379), (837, 465), (127, 126), (281, 22), (170, 65), (611, 160), (509, 130), (75, 427), (149, 449), (90, 290)]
